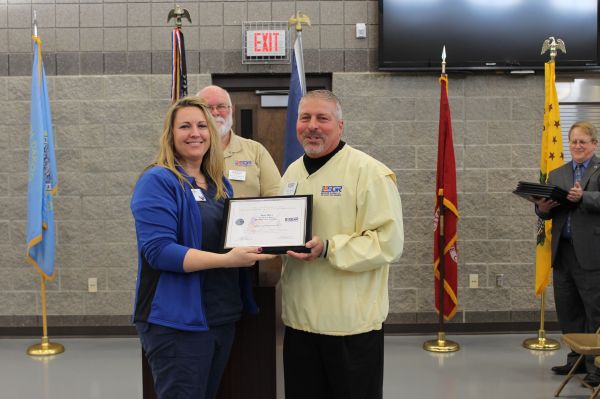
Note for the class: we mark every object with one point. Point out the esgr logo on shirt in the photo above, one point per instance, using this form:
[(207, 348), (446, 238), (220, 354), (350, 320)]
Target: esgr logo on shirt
[(331, 191), (243, 163)]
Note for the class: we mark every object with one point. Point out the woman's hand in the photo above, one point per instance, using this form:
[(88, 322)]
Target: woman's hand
[(245, 256), (238, 257)]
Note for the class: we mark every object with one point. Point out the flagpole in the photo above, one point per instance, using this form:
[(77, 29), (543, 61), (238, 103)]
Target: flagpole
[(292, 149), (179, 68), (45, 348), (441, 344), (541, 343), (298, 20)]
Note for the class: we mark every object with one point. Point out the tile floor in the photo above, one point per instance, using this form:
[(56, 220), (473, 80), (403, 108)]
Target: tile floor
[(487, 366)]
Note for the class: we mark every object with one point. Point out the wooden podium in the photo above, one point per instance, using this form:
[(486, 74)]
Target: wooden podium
[(251, 371)]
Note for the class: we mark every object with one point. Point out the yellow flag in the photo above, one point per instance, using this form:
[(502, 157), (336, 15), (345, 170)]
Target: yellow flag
[(551, 158)]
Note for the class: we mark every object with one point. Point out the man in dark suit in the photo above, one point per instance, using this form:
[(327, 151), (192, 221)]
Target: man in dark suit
[(576, 242)]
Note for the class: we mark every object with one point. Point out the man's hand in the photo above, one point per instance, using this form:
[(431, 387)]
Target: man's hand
[(575, 193), (545, 205), (316, 247)]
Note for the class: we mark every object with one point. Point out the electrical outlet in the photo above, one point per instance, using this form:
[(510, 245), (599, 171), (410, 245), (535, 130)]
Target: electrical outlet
[(92, 284), (499, 280), (361, 30), (473, 280)]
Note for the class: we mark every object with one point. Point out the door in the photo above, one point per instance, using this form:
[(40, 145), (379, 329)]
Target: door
[(265, 125)]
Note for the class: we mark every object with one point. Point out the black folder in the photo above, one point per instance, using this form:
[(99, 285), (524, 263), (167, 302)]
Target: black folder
[(533, 191)]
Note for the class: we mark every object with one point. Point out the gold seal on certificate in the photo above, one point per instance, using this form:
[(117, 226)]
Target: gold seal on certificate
[(276, 224)]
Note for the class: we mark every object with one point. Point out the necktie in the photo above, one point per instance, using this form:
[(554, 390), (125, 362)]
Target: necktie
[(578, 172), (577, 177)]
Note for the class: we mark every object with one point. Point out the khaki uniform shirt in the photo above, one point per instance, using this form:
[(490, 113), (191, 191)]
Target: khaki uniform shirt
[(250, 168)]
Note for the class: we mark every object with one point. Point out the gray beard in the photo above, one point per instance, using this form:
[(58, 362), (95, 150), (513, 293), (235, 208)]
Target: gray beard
[(311, 149), (225, 127)]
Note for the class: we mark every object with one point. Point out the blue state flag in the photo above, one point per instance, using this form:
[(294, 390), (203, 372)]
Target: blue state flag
[(42, 179), (293, 150)]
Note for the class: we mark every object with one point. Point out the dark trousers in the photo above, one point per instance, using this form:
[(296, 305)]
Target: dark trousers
[(576, 295), (333, 367), (186, 364)]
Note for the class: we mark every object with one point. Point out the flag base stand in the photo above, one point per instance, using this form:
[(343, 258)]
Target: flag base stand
[(441, 344), (541, 343), (46, 348)]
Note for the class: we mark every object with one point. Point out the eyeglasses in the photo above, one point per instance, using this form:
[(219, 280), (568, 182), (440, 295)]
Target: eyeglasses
[(219, 107), (578, 142)]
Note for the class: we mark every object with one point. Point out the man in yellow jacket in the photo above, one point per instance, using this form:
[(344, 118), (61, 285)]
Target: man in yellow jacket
[(335, 298)]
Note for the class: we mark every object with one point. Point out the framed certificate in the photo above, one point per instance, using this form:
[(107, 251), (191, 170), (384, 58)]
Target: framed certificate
[(277, 224)]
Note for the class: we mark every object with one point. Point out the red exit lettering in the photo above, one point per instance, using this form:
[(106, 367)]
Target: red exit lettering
[(266, 42)]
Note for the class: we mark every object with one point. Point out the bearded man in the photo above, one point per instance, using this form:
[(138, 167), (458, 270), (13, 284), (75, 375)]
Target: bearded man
[(248, 165)]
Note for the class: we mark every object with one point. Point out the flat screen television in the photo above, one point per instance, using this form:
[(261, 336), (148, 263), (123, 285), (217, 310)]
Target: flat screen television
[(486, 34)]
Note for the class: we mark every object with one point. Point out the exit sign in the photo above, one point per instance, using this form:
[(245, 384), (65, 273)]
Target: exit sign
[(266, 43)]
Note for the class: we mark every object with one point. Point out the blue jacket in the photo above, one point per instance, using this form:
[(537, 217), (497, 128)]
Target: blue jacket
[(168, 223)]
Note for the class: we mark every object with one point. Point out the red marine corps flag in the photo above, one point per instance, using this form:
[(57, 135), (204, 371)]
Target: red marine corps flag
[(446, 206)]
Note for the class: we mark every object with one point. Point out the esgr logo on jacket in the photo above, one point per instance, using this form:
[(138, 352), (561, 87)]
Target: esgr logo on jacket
[(331, 191), (243, 163)]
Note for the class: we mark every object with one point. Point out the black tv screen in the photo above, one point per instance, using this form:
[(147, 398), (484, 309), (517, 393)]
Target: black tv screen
[(486, 34)]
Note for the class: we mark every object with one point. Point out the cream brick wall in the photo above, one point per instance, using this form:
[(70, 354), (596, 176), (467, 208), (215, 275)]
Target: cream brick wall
[(133, 36), (106, 130), (108, 64)]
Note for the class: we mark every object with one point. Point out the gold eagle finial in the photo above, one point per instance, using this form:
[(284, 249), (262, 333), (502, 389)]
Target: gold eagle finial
[(553, 45), (179, 13), (298, 20)]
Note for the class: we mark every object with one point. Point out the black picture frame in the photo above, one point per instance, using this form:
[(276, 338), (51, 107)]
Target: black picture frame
[(280, 249)]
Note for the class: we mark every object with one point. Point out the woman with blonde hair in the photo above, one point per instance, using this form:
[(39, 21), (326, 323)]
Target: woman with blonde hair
[(189, 293)]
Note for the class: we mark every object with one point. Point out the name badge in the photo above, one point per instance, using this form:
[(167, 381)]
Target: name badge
[(239, 175), (290, 188), (198, 195)]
